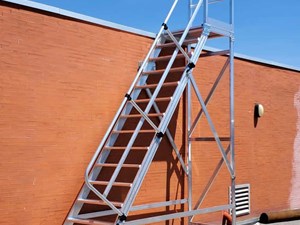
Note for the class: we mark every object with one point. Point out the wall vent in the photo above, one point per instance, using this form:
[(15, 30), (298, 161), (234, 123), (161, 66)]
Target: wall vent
[(242, 199)]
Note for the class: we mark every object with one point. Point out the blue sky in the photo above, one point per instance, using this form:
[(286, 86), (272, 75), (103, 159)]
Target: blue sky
[(267, 29)]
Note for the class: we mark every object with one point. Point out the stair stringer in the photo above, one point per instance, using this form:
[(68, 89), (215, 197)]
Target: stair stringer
[(104, 153), (163, 125)]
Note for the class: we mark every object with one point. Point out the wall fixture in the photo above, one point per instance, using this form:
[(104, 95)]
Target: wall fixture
[(259, 110)]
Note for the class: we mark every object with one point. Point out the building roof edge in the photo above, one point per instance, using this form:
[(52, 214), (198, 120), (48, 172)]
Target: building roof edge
[(117, 26), (258, 60), (82, 17)]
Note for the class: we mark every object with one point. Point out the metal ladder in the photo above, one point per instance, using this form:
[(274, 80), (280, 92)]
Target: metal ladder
[(117, 169)]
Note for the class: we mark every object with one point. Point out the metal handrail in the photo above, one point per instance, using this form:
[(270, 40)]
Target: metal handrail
[(164, 123), (101, 145), (141, 173)]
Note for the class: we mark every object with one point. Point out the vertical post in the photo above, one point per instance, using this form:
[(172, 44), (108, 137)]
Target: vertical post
[(188, 121), (188, 116), (205, 11), (189, 147), (191, 5), (231, 69)]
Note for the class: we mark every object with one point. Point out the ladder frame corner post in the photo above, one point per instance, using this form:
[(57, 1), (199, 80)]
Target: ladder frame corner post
[(226, 30), (232, 121)]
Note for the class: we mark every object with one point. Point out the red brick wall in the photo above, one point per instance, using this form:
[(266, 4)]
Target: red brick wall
[(62, 81), (264, 153)]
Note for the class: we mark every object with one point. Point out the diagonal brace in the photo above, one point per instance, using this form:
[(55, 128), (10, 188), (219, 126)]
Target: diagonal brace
[(177, 44), (212, 127), (143, 114), (169, 136), (209, 97), (211, 180)]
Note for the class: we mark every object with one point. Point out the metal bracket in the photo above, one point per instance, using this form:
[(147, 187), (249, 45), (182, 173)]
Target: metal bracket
[(165, 26), (122, 219), (190, 66), (128, 97), (160, 134), (206, 29)]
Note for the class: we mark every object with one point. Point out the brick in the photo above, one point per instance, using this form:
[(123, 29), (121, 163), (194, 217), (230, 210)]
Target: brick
[(62, 82)]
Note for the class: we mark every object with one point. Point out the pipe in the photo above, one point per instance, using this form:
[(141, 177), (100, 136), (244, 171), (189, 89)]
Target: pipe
[(280, 216)]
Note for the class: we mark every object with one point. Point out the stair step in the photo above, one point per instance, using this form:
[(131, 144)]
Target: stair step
[(163, 99), (123, 148), (118, 184), (131, 131), (115, 165), (172, 70), (167, 84), (172, 44), (139, 115), (88, 221), (195, 32), (98, 202), (166, 57)]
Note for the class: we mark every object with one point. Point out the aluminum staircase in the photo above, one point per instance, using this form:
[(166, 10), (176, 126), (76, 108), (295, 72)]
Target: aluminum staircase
[(117, 170)]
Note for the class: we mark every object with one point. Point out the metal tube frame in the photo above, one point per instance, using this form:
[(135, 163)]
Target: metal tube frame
[(101, 145), (170, 109), (165, 122), (230, 162), (178, 215), (186, 83), (189, 150), (232, 135)]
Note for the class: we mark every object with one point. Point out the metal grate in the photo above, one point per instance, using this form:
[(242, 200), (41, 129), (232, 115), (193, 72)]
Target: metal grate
[(242, 199)]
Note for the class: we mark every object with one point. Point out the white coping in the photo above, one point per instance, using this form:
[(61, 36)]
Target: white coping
[(105, 23), (259, 60), (82, 17)]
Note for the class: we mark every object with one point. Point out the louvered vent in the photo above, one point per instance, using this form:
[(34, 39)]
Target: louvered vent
[(242, 199)]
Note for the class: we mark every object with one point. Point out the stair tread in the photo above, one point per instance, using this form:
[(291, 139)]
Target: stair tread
[(123, 147), (172, 70), (115, 165), (89, 221), (132, 131), (166, 84), (172, 44), (195, 32), (167, 57), (119, 184), (191, 31), (98, 202), (156, 100), (139, 115)]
